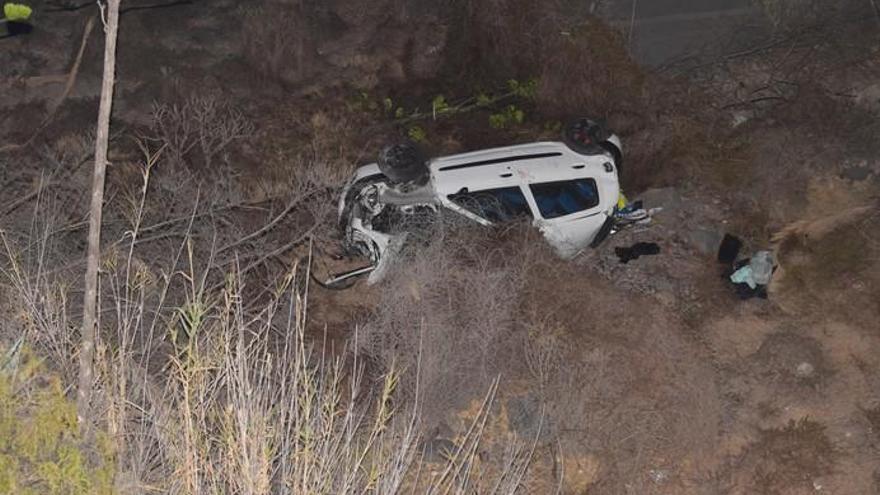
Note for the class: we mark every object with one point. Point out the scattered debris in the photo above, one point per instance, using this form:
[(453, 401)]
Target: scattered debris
[(627, 254), (805, 370), (741, 117), (658, 475), (751, 276), (729, 249), (626, 213)]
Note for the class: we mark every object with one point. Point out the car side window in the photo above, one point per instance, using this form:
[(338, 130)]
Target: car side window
[(496, 205), (557, 199)]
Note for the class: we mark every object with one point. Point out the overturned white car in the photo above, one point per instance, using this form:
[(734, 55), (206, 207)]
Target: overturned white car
[(568, 190)]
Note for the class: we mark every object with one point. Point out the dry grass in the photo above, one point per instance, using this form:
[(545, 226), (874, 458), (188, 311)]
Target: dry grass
[(788, 458), (619, 385), (452, 304), (206, 390), (832, 266)]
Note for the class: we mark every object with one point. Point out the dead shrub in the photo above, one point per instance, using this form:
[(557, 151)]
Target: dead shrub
[(32, 282), (451, 305), (786, 458), (211, 390), (203, 122), (618, 383), (633, 408), (44, 302), (833, 269)]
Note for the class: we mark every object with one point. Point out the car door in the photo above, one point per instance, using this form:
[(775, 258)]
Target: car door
[(567, 213), (492, 205)]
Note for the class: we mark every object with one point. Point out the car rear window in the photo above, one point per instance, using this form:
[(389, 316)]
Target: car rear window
[(557, 199), (496, 205)]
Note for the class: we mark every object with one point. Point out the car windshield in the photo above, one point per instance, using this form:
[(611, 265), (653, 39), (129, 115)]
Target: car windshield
[(496, 205), (557, 199)]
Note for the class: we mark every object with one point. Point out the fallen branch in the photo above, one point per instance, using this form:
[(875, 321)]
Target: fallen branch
[(74, 70), (753, 101), (262, 259), (71, 79), (173, 221), (269, 226)]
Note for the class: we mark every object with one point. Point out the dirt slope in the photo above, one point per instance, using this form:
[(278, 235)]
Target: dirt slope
[(646, 377)]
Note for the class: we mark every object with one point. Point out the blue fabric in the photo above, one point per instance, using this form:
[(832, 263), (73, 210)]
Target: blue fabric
[(567, 203), (556, 199)]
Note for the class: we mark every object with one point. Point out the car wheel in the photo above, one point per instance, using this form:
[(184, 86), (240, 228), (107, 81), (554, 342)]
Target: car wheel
[(403, 163), (590, 137)]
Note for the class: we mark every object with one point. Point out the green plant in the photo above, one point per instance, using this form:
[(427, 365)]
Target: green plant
[(439, 106), (41, 451), (417, 134), (364, 102), (525, 89), (554, 126), (507, 117), (16, 12)]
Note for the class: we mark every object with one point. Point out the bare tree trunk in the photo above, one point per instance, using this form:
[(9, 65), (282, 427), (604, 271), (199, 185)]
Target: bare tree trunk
[(110, 16)]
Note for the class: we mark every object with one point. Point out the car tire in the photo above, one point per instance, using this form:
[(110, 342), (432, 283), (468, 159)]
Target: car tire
[(591, 137), (403, 163)]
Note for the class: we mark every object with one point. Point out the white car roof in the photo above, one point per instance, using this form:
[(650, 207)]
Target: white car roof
[(508, 166), (534, 162)]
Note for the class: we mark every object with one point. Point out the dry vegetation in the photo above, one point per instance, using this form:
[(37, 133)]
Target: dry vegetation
[(477, 304), (482, 364), (202, 389), (833, 266)]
